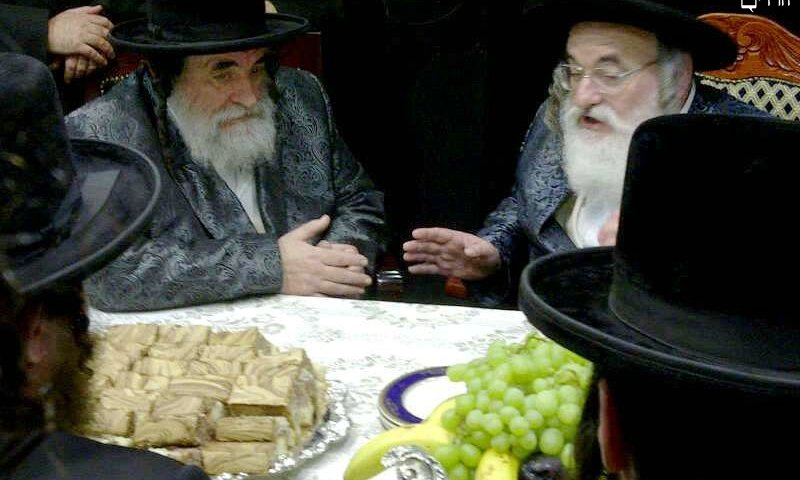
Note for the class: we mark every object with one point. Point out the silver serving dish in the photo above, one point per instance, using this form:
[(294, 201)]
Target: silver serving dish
[(333, 428)]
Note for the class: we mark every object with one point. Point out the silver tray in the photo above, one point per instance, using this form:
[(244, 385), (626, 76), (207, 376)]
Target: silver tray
[(333, 428)]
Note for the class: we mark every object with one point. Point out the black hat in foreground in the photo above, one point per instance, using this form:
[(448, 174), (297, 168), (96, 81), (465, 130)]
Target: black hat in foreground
[(67, 207), (185, 27), (701, 282), (710, 47)]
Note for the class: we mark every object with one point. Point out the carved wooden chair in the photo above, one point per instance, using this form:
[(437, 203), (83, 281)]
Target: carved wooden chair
[(767, 69)]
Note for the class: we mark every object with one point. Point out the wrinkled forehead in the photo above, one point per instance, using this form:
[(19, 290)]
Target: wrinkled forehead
[(590, 42), (243, 58)]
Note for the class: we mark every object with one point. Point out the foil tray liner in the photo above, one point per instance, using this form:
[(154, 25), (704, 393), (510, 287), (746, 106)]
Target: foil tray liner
[(333, 428)]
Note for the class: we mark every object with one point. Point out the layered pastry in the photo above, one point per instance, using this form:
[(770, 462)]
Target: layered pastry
[(227, 401)]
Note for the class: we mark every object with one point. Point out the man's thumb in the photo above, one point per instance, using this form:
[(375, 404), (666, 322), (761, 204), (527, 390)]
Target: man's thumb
[(312, 229)]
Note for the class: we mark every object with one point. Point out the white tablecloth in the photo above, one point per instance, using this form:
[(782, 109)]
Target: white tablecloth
[(364, 344)]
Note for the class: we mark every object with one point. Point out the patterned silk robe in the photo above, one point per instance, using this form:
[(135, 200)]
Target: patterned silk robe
[(201, 246), (523, 226)]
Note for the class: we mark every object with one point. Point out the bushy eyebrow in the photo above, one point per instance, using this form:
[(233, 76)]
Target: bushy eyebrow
[(224, 64), (611, 58)]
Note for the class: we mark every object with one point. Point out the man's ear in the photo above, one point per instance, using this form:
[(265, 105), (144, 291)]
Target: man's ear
[(612, 448), (35, 349)]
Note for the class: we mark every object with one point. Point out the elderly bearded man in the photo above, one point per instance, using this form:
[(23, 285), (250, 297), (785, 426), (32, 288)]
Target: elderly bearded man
[(626, 61), (261, 194)]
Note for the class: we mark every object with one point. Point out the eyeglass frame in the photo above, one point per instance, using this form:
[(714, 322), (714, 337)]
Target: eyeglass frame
[(564, 79)]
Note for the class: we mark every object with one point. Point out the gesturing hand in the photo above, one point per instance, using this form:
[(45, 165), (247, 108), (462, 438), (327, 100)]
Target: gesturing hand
[(81, 31), (328, 269), (450, 253)]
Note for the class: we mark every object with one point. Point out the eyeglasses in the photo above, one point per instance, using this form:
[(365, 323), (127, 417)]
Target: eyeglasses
[(607, 79)]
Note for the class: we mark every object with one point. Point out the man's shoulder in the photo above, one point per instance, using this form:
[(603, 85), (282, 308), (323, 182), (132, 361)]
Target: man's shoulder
[(119, 115), (295, 78), (708, 99), (84, 458)]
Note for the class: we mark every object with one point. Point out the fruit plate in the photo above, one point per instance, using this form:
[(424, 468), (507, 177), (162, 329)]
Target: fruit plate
[(333, 428), (410, 398)]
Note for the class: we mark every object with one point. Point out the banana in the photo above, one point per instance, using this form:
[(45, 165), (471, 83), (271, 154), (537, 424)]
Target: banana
[(497, 466), (366, 463)]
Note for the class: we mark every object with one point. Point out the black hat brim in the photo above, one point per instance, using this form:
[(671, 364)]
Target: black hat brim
[(565, 296), (711, 48), (134, 36), (120, 188)]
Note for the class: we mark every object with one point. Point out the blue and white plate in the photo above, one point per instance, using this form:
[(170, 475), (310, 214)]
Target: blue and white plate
[(410, 398)]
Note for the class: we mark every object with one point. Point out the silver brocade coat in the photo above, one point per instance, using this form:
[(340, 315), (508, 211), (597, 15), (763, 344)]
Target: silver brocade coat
[(201, 247)]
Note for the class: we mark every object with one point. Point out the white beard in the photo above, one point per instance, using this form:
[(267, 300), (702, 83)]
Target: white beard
[(236, 148), (595, 162)]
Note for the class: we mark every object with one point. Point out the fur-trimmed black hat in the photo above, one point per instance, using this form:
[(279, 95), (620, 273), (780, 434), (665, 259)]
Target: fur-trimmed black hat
[(185, 27), (67, 207), (709, 47), (699, 285)]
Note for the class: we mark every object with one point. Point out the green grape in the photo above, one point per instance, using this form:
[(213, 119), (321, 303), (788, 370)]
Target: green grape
[(482, 401), (514, 397), (551, 441), (470, 455), (569, 394), (501, 442), (520, 452), (521, 398), (479, 439), (474, 419), (568, 456), (451, 420), (456, 372), (519, 426), (448, 456), (553, 422), (459, 472), (569, 414), (496, 357), (542, 366), (529, 441), (496, 405), (535, 419), (465, 403), (503, 372), (492, 424), (558, 356), (547, 403), (507, 413), (497, 388), (521, 368), (474, 385), (541, 384)]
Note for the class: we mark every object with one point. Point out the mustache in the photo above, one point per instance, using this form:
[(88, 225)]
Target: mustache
[(602, 113), (238, 112)]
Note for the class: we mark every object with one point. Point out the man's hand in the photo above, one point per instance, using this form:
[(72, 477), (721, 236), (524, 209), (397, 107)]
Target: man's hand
[(81, 31), (330, 269), (77, 66), (607, 235), (450, 253)]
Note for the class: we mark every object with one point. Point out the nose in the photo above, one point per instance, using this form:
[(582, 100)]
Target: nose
[(586, 94), (246, 92)]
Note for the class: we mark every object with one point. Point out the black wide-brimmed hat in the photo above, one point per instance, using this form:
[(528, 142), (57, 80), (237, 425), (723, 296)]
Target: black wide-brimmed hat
[(700, 284), (66, 207), (185, 27), (710, 47)]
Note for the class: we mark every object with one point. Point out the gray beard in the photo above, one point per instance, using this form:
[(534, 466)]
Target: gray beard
[(239, 147), (595, 163)]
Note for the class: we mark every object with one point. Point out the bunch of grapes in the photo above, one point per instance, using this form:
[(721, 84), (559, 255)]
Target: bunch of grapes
[(524, 399)]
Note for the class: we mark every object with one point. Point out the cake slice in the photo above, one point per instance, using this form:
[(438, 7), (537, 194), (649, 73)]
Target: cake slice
[(237, 457)]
